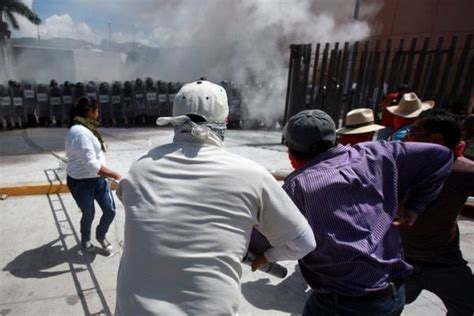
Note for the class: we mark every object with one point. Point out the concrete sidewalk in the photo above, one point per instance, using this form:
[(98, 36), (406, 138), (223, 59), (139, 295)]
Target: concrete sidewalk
[(44, 271)]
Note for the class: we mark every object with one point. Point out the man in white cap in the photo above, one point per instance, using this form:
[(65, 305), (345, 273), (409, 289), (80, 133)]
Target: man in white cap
[(190, 208), (359, 127), (405, 113)]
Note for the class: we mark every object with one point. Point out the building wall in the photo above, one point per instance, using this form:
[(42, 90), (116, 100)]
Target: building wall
[(421, 18), (41, 64), (97, 65)]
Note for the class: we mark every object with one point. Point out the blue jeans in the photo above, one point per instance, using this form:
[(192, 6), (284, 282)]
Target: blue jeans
[(84, 192), (388, 306)]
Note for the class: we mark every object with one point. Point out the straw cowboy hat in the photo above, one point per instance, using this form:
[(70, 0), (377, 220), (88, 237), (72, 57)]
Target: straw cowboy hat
[(410, 106), (359, 121)]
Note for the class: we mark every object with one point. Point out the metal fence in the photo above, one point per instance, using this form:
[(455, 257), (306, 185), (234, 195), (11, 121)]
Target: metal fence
[(338, 77)]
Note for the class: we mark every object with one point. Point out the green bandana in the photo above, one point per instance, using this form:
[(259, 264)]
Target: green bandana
[(92, 126)]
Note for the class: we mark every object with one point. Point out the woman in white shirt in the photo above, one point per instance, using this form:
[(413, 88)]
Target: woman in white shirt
[(86, 171)]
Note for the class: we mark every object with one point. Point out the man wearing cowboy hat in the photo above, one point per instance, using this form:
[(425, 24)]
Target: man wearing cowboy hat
[(351, 196), (406, 112), (359, 127)]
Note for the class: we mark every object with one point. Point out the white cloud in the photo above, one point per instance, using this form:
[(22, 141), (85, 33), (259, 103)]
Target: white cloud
[(58, 26)]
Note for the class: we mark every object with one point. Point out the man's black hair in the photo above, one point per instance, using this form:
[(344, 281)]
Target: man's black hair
[(444, 123)]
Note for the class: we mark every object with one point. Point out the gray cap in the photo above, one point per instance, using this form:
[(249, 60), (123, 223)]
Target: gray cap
[(307, 128)]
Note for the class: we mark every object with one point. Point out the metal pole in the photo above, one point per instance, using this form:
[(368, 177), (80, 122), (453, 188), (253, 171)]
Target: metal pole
[(38, 32), (133, 34), (110, 36), (356, 10)]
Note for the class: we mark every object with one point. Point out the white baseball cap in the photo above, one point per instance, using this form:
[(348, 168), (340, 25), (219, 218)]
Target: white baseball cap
[(202, 98)]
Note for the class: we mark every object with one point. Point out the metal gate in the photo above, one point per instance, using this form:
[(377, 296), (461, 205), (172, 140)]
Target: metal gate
[(337, 78)]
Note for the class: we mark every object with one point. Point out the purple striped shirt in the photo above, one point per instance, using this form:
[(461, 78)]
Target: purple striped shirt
[(350, 196)]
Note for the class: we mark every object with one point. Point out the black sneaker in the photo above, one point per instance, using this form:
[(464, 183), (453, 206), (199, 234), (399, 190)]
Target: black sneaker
[(105, 244), (87, 246)]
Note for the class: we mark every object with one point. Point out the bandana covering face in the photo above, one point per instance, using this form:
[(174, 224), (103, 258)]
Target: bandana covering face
[(184, 124), (92, 126)]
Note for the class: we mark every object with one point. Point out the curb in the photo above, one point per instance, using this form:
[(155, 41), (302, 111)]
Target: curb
[(60, 187), (39, 188)]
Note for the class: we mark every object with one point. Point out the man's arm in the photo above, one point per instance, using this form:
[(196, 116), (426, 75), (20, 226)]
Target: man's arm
[(422, 170), (280, 221), (291, 250)]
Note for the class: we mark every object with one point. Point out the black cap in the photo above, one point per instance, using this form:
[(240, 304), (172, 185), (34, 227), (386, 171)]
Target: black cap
[(307, 128)]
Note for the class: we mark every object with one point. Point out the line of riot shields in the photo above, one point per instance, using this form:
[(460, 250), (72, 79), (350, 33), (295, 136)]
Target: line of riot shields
[(128, 103)]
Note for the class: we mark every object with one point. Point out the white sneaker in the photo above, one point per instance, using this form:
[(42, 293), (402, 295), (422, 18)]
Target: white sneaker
[(87, 246), (105, 244)]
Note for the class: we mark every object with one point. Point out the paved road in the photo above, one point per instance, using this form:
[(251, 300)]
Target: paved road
[(45, 273)]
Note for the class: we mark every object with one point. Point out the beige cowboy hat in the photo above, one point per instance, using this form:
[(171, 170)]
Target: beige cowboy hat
[(410, 106), (359, 121)]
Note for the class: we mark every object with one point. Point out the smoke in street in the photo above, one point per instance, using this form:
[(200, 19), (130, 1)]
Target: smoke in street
[(245, 41)]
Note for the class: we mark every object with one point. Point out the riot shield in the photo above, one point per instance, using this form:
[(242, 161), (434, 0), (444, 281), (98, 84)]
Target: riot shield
[(56, 104), (18, 106), (140, 103), (118, 111), (29, 101), (91, 90), (129, 105), (42, 103), (152, 102), (67, 101), (5, 107), (163, 103), (106, 114), (79, 91)]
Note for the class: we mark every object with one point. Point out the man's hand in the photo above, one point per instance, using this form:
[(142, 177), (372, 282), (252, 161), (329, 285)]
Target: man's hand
[(404, 217), (259, 261)]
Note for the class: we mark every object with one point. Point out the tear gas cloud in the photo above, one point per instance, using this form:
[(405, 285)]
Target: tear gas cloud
[(245, 41), (248, 41)]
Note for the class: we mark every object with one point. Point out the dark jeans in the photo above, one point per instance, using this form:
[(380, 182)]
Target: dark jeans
[(448, 277), (388, 306), (84, 192)]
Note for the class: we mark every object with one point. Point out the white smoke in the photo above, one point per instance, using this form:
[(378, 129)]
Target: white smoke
[(246, 41)]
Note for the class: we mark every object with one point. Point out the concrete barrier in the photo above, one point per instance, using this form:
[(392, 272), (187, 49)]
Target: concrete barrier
[(61, 187), (39, 188)]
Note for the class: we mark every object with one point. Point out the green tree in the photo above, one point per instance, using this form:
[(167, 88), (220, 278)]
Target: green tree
[(8, 20)]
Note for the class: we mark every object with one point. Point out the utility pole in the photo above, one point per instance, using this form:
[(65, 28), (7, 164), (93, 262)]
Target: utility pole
[(356, 10), (38, 32), (133, 35), (110, 36)]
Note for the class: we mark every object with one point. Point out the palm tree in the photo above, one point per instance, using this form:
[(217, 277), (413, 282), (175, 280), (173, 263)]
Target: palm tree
[(8, 9)]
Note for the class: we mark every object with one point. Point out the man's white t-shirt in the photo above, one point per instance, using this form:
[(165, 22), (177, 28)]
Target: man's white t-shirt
[(84, 153), (190, 208)]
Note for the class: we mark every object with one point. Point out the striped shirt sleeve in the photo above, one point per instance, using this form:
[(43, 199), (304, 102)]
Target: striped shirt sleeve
[(422, 170)]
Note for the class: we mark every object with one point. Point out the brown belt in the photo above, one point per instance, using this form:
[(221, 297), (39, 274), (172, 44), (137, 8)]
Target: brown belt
[(369, 296)]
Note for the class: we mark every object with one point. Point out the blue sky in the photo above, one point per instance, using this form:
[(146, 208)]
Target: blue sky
[(88, 19), (170, 23)]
